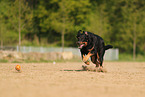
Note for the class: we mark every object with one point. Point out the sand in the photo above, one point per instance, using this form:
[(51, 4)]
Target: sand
[(123, 79)]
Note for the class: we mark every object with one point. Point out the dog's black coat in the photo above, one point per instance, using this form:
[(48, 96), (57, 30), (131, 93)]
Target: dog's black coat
[(94, 44)]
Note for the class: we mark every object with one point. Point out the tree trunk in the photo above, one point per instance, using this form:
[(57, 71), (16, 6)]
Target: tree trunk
[(1, 36), (62, 36), (63, 30), (1, 43), (134, 41), (36, 38), (19, 24), (101, 23)]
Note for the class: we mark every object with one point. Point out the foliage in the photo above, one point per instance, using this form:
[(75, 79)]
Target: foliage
[(119, 22)]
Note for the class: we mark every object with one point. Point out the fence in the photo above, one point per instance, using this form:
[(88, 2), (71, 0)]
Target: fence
[(111, 54)]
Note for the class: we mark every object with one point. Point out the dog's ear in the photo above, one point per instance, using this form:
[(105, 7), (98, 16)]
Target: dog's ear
[(85, 32), (80, 32)]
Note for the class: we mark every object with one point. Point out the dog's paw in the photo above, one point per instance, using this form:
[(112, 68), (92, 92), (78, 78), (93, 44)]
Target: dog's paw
[(100, 69), (104, 70), (85, 59), (84, 67)]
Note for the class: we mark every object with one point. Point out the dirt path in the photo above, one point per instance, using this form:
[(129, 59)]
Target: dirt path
[(123, 79)]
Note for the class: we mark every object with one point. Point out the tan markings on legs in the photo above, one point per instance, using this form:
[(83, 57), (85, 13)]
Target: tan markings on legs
[(98, 58), (100, 68), (87, 62), (91, 49), (97, 65), (83, 56), (85, 59)]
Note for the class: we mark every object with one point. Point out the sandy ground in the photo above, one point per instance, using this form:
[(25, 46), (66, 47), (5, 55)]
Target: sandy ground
[(123, 79)]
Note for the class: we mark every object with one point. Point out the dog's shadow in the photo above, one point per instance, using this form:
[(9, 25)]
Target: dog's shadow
[(85, 68), (79, 70)]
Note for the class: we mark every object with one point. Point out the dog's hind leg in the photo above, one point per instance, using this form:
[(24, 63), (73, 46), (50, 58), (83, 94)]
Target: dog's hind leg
[(99, 62), (94, 60), (98, 59), (101, 55)]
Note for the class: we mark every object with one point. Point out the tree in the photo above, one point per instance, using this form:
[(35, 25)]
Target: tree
[(98, 21), (3, 21), (63, 17), (56, 22), (135, 22), (127, 22), (20, 17)]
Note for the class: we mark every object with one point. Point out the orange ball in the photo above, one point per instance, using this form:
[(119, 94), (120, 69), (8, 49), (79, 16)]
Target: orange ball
[(18, 67)]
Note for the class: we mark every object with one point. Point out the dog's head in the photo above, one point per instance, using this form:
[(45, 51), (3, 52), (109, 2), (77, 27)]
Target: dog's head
[(82, 37)]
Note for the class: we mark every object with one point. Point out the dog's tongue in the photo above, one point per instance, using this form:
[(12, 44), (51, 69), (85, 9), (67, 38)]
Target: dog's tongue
[(81, 46)]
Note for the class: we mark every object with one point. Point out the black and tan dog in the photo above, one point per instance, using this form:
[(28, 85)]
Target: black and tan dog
[(93, 46)]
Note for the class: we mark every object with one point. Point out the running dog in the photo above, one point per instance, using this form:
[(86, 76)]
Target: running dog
[(93, 46)]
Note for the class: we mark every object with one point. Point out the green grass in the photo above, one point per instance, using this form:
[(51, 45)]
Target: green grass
[(129, 57), (3, 61), (122, 57)]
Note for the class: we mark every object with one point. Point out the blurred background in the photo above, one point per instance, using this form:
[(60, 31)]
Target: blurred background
[(54, 23)]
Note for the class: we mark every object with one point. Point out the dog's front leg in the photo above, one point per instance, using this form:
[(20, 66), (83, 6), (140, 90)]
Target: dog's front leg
[(86, 62), (85, 58)]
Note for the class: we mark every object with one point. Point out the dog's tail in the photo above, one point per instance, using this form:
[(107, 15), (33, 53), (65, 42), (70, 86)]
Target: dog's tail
[(108, 47)]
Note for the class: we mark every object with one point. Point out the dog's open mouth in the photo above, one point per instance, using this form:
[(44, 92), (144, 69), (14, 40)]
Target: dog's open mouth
[(81, 46)]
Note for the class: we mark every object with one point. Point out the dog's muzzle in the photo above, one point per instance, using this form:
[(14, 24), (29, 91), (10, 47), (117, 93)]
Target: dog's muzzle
[(81, 44)]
